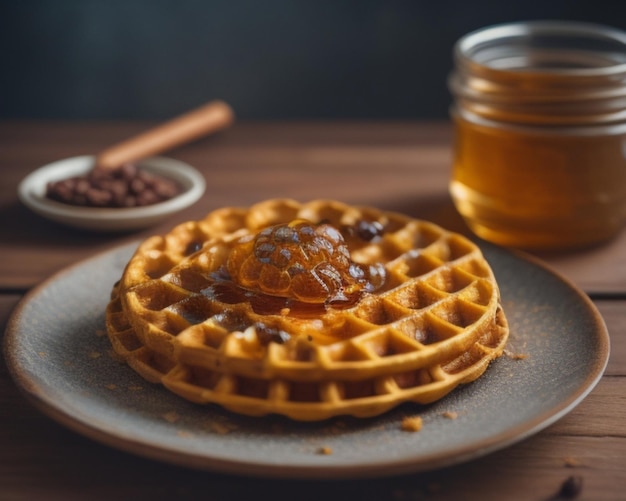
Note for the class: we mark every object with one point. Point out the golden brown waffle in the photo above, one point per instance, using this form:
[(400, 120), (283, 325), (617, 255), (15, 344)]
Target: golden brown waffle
[(413, 331)]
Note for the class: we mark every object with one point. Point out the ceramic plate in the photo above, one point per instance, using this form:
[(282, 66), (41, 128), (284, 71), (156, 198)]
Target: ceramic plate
[(58, 354)]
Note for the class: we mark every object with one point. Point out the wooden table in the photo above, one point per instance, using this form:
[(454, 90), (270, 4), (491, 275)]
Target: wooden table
[(401, 166)]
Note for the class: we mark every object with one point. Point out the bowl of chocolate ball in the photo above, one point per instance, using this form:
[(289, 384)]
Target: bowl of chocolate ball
[(127, 186)]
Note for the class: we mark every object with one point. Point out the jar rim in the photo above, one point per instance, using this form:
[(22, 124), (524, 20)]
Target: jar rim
[(469, 46)]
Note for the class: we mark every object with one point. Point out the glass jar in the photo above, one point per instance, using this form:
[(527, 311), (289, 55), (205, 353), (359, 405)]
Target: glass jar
[(540, 133)]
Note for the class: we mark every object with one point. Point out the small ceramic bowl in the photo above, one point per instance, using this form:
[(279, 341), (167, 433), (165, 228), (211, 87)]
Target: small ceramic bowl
[(32, 193)]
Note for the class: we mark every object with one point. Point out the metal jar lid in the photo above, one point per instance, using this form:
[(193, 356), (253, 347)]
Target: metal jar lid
[(542, 72)]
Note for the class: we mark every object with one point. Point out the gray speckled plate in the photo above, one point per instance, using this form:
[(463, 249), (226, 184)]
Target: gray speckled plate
[(58, 354)]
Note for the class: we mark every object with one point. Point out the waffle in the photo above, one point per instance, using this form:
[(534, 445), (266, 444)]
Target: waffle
[(308, 310)]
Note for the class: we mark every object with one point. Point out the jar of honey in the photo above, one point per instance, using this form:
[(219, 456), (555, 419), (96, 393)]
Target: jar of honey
[(540, 133)]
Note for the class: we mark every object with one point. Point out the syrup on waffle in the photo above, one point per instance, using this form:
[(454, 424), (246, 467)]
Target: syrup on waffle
[(308, 310)]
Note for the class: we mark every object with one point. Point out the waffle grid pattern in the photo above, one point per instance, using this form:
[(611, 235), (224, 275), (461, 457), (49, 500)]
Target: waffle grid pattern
[(436, 324)]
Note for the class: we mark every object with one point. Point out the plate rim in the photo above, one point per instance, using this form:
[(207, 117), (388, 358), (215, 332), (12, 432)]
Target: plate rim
[(437, 460)]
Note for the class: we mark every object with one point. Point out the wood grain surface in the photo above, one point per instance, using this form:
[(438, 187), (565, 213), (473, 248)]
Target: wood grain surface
[(401, 166)]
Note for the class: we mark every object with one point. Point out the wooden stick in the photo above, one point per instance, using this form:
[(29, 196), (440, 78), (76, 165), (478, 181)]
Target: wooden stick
[(207, 119)]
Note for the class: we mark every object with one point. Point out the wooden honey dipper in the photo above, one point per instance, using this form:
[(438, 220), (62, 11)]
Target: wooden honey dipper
[(115, 181), (207, 119)]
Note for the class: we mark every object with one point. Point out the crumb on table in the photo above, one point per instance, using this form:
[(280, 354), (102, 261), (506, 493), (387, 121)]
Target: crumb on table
[(572, 462), (570, 488)]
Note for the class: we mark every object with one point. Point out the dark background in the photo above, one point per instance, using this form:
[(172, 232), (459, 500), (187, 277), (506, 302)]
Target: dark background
[(270, 59)]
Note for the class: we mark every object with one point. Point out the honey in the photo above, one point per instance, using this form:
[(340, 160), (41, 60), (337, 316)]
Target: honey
[(306, 262), (540, 134)]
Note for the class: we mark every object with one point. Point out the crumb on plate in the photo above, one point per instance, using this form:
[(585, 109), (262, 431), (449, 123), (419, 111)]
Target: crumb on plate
[(450, 414), (412, 423), (515, 356), (171, 417)]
